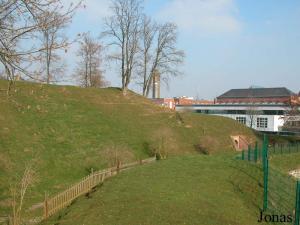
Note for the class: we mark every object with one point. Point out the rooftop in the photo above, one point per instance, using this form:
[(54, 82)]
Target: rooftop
[(257, 93)]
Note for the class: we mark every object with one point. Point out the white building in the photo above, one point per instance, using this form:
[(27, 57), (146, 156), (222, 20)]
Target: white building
[(263, 117)]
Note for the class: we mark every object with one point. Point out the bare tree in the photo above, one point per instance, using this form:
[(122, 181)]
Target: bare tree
[(158, 52), (123, 29), (20, 22), (149, 31), (53, 39), (88, 71), (252, 112)]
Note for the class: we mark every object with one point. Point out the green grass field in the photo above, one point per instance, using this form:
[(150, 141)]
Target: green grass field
[(282, 186), (194, 189), (64, 131), (286, 162)]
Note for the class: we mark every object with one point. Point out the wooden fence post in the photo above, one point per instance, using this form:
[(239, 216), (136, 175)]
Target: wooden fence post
[(118, 166), (91, 180), (46, 206)]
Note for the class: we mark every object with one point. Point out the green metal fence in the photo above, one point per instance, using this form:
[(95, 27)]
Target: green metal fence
[(284, 148), (281, 192), (254, 153)]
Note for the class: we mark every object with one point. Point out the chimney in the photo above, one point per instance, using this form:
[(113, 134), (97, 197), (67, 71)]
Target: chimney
[(156, 85)]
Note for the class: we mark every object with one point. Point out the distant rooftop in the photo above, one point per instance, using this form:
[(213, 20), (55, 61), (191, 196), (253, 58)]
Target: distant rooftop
[(257, 93)]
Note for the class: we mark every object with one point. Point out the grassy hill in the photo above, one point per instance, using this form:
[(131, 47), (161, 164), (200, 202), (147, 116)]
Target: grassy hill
[(64, 131)]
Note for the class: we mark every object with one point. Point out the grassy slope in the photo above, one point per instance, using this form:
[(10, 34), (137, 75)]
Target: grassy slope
[(212, 190), (282, 186), (187, 190), (63, 130), (286, 162)]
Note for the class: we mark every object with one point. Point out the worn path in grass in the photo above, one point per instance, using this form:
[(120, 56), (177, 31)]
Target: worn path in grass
[(204, 190)]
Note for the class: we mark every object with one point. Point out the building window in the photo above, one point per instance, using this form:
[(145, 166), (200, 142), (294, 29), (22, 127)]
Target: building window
[(241, 119), (262, 123)]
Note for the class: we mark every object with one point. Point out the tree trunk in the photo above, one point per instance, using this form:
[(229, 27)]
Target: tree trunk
[(149, 86), (47, 58), (124, 91)]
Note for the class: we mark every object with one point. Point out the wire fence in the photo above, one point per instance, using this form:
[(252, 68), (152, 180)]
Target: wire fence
[(281, 197), (284, 148), (281, 193), (255, 153)]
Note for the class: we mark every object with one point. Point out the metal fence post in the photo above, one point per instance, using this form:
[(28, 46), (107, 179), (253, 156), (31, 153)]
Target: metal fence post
[(255, 152), (266, 172), (249, 152), (297, 204)]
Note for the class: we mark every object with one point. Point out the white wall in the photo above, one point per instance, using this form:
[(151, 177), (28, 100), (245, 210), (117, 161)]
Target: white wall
[(273, 122)]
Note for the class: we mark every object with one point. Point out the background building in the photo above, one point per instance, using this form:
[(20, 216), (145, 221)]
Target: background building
[(263, 109)]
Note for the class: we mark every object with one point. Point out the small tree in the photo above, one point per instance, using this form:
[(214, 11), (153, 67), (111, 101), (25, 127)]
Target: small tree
[(53, 39), (88, 72), (18, 193), (252, 113)]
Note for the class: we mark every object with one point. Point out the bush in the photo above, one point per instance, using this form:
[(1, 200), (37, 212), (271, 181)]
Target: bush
[(115, 155), (201, 149)]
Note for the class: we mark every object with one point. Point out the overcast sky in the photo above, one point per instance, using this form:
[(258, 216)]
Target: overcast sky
[(228, 43)]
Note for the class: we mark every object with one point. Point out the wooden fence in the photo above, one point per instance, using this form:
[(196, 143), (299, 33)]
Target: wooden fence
[(63, 199)]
